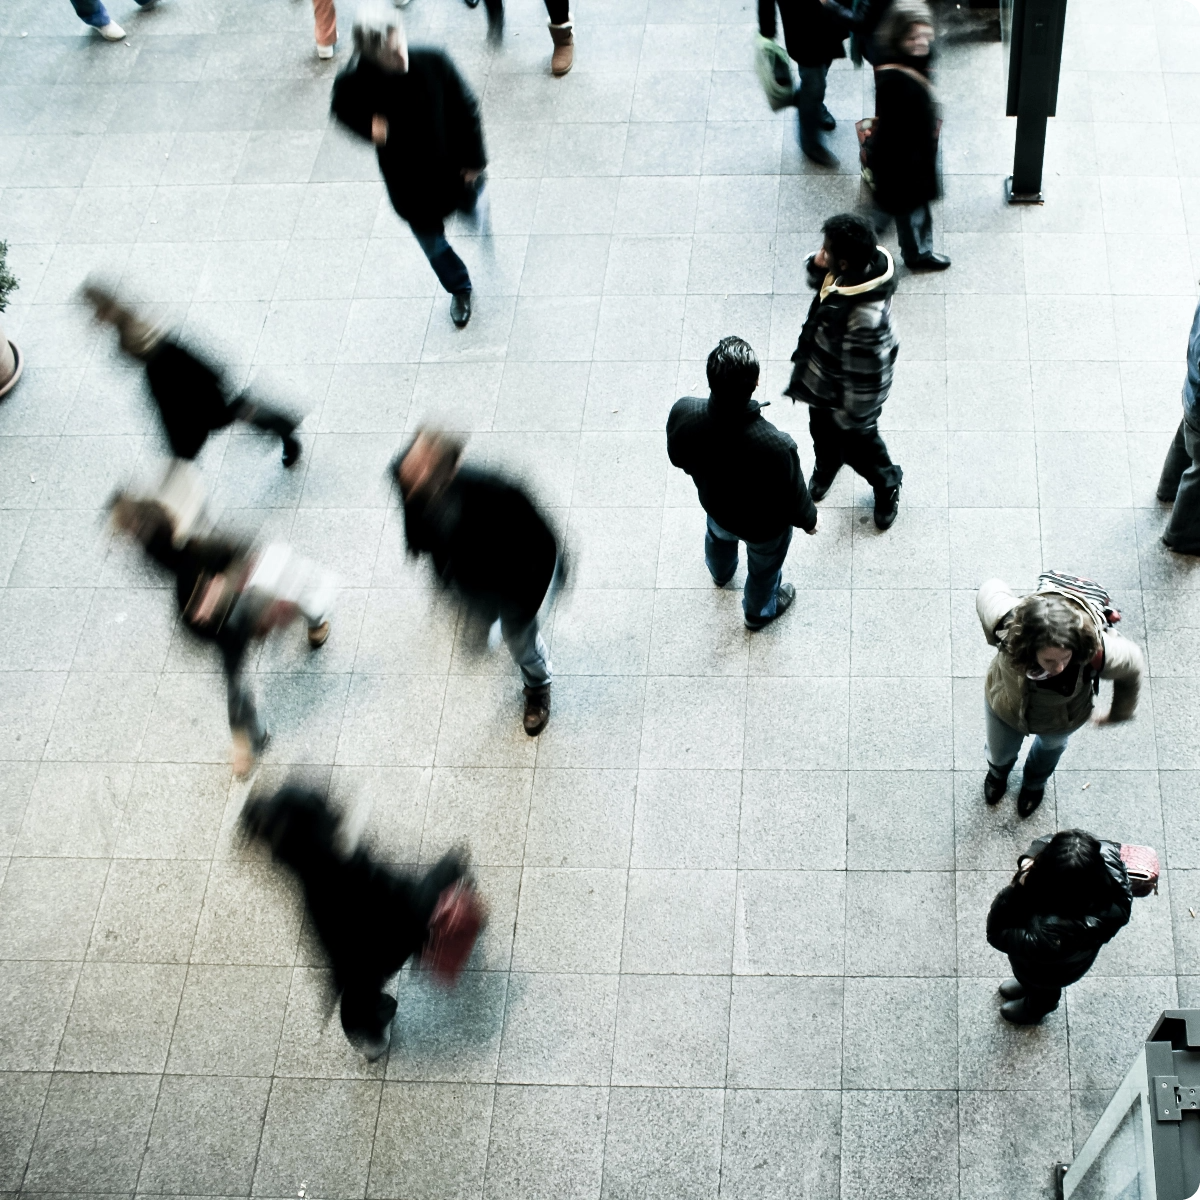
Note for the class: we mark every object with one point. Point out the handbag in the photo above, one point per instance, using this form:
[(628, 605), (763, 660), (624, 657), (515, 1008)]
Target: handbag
[(454, 928), (774, 72), (865, 128), (1141, 865)]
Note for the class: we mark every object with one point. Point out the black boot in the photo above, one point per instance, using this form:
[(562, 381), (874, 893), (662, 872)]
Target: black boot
[(1012, 989), (1028, 800), (995, 783), (291, 450), (1018, 1013)]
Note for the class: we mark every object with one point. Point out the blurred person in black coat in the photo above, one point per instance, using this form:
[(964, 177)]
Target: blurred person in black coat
[(423, 119), (488, 542), (191, 394), (813, 33), (903, 145)]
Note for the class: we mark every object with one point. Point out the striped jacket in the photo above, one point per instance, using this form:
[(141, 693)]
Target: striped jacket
[(847, 348)]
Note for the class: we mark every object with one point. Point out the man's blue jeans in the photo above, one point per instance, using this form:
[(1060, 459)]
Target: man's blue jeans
[(764, 567), (1004, 744), (451, 271), (810, 102), (93, 12)]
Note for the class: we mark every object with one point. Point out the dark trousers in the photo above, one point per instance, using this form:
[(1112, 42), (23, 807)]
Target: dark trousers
[(1180, 482), (810, 102), (862, 449), (914, 231), (764, 567), (451, 271)]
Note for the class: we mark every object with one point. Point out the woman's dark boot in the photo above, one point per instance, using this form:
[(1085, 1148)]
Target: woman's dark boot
[(1012, 989), (1028, 800), (995, 783), (1017, 1012)]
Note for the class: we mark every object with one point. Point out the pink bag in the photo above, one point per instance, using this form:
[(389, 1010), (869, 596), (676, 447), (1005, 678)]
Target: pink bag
[(1141, 865), (454, 927)]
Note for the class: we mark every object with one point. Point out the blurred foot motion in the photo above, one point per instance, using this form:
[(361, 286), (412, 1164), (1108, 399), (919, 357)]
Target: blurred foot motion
[(371, 918), (231, 594)]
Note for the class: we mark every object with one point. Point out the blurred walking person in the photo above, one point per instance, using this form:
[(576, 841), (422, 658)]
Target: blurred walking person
[(325, 25), (488, 541), (903, 146), (1069, 897), (1180, 481), (370, 917), (813, 33), (749, 479), (561, 30), (93, 13), (231, 595), (192, 397), (1053, 648), (424, 122), (844, 362)]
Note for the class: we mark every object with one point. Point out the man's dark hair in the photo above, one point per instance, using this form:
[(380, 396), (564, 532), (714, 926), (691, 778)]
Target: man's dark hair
[(851, 240), (732, 369)]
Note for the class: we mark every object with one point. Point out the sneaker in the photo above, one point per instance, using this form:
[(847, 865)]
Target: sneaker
[(460, 309), (783, 601), (887, 506), (112, 32), (324, 51)]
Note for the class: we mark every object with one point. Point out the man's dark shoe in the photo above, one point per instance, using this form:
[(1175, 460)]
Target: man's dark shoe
[(1028, 800), (1017, 1012), (928, 262), (827, 122), (784, 596), (818, 153), (720, 582), (291, 450), (537, 709), (994, 786), (1164, 499), (460, 308), (819, 485), (887, 506), (1012, 989)]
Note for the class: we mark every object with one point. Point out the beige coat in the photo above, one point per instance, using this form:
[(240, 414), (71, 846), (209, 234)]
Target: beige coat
[(1008, 691)]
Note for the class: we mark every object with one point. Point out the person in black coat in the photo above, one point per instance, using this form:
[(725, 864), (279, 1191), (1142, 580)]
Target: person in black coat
[(813, 33), (192, 397), (488, 542), (424, 122), (748, 476), (1068, 897), (904, 141), (371, 918)]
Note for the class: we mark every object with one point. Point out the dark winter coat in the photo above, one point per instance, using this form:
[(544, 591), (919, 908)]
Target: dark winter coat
[(1050, 950), (191, 396), (812, 32), (747, 472), (904, 141), (434, 131), (487, 540)]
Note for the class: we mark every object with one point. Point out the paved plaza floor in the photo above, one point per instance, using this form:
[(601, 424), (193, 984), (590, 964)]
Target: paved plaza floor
[(738, 887)]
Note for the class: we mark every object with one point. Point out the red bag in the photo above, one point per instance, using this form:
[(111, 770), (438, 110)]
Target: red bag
[(457, 918), (1141, 865)]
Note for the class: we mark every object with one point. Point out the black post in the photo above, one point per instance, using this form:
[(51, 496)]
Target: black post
[(1033, 67)]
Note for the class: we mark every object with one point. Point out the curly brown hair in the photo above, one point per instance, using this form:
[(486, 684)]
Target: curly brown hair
[(1044, 619)]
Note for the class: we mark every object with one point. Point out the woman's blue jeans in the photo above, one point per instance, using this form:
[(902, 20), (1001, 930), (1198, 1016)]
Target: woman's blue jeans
[(93, 12), (1004, 744)]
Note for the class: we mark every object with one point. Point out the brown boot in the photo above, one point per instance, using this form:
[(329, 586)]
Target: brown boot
[(537, 709), (564, 48)]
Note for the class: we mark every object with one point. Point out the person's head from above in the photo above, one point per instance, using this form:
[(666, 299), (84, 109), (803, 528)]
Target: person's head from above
[(907, 29), (849, 247), (1069, 878), (379, 36), (1046, 633), (427, 464), (732, 372), (141, 519)]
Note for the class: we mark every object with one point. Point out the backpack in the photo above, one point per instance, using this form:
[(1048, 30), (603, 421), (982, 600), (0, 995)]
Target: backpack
[(1084, 591)]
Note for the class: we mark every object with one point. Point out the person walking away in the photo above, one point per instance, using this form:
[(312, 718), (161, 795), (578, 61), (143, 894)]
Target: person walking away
[(424, 121), (561, 30), (488, 541), (93, 13), (903, 146), (844, 362), (325, 25), (1052, 651), (1180, 481), (748, 477), (1069, 897), (192, 398), (231, 596), (813, 33)]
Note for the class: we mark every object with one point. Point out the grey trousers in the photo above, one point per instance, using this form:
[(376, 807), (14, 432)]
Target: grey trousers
[(1180, 482), (914, 231)]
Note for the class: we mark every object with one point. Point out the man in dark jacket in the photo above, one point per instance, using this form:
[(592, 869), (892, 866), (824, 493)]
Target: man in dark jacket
[(1179, 483), (424, 121), (490, 544), (813, 33), (844, 361), (748, 477)]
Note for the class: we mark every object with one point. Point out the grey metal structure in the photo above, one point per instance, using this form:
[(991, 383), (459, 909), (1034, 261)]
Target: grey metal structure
[(1146, 1146)]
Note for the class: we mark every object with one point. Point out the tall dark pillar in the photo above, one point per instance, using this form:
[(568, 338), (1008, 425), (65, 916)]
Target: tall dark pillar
[(1033, 66)]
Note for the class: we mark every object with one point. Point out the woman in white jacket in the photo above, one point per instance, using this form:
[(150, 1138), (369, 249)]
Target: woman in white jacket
[(1051, 654)]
